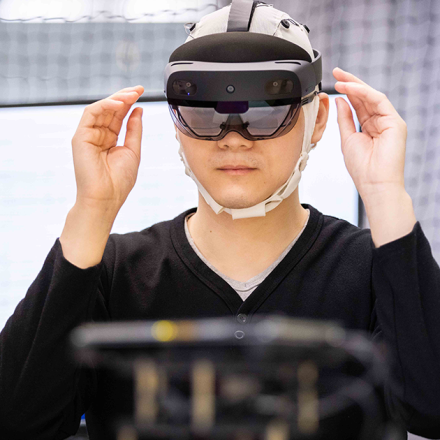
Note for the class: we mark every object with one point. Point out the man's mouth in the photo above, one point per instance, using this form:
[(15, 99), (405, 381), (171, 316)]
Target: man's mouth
[(236, 170)]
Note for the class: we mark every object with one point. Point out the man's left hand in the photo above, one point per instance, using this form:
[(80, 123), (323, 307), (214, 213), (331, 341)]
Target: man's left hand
[(375, 157)]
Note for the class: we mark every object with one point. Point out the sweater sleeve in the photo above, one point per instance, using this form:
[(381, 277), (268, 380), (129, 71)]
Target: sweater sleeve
[(406, 282), (43, 393)]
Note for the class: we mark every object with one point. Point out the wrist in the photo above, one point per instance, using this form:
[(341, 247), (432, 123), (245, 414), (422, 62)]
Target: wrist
[(106, 210), (374, 193), (85, 234), (384, 195), (390, 213)]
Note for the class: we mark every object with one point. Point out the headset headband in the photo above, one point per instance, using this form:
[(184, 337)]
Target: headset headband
[(240, 15)]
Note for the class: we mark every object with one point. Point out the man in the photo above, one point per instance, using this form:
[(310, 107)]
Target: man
[(291, 260)]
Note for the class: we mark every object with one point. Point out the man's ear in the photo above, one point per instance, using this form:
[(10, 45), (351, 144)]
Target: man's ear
[(321, 119)]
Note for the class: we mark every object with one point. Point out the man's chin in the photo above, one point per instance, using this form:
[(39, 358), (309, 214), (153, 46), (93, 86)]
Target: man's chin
[(238, 202)]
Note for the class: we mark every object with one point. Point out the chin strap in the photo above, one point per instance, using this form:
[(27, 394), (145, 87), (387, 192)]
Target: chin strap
[(260, 209)]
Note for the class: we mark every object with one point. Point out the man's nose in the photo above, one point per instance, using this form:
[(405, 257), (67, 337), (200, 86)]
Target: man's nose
[(234, 141)]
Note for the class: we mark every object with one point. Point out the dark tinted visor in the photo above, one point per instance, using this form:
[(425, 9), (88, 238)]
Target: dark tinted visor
[(252, 119)]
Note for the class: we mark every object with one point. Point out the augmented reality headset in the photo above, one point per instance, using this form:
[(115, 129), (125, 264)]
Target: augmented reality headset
[(250, 83)]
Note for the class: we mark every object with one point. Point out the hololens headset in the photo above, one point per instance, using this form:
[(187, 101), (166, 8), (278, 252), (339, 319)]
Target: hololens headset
[(247, 82)]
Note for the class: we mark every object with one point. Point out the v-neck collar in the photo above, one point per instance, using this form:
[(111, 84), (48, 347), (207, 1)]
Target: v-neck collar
[(220, 287)]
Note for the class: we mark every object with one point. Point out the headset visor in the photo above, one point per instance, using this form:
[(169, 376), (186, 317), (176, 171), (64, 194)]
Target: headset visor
[(254, 120)]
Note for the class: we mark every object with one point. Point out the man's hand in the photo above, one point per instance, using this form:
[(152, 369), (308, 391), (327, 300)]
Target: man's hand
[(106, 173), (375, 158)]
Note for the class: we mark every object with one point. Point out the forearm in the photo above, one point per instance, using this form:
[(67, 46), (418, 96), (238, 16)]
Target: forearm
[(390, 213), (406, 283), (85, 234), (37, 373)]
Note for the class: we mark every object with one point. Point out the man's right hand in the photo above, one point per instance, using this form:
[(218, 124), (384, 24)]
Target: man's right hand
[(105, 174)]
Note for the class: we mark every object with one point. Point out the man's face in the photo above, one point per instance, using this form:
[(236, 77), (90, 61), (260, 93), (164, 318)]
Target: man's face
[(239, 173)]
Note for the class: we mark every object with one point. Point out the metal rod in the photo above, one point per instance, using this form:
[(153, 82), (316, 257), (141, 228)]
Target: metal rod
[(308, 409), (203, 395), (127, 433), (277, 430), (146, 389)]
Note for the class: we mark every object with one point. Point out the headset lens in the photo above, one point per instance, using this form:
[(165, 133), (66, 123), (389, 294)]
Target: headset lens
[(253, 119), (203, 121)]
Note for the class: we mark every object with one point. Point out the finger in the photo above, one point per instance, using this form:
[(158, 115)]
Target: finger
[(100, 137), (375, 102), (119, 116), (128, 98), (358, 105), (122, 95), (93, 111), (342, 75), (105, 108), (345, 120), (138, 89), (361, 111), (133, 136)]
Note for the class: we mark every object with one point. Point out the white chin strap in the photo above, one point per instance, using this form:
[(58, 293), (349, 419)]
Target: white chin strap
[(260, 209)]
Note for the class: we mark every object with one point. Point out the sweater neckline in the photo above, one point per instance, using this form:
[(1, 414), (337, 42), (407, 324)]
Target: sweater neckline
[(220, 287)]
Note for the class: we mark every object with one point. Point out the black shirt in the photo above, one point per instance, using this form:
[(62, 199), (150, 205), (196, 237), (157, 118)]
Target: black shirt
[(333, 272)]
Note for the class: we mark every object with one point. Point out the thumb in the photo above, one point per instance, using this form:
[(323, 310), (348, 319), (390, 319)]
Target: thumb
[(133, 136), (345, 120)]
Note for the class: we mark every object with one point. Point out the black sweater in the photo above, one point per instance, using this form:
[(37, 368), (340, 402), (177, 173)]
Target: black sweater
[(333, 272)]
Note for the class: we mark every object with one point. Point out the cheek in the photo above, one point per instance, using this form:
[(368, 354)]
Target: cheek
[(286, 151), (280, 167), (197, 154)]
